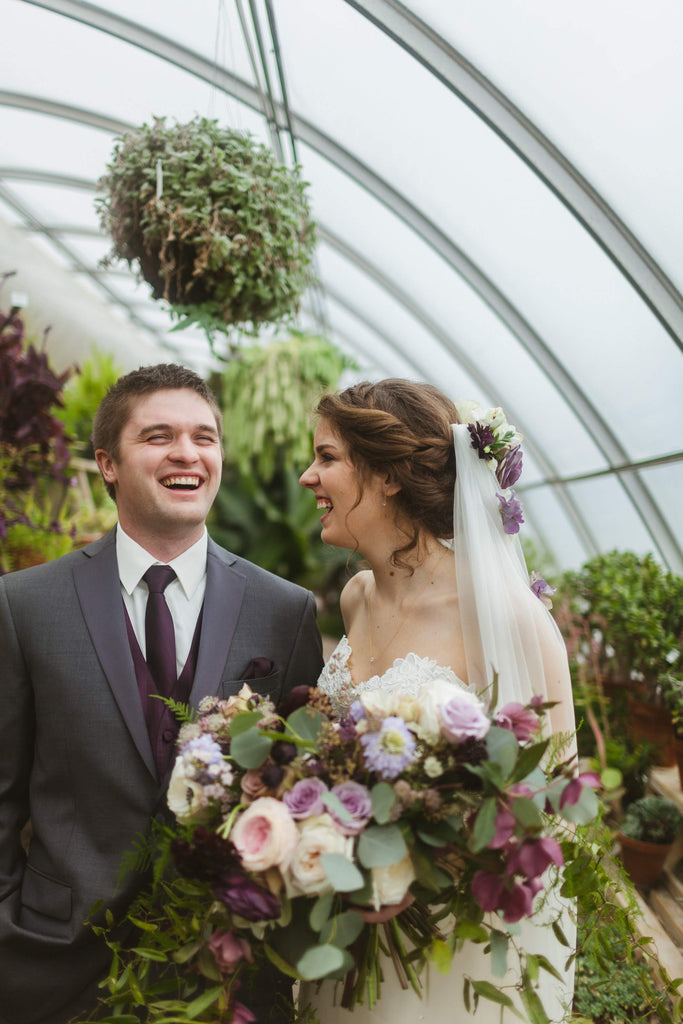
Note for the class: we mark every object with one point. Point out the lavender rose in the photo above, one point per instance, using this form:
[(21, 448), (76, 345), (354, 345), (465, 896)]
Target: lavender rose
[(304, 799), (463, 717), (358, 802)]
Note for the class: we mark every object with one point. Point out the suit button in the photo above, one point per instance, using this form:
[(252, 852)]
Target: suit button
[(168, 735)]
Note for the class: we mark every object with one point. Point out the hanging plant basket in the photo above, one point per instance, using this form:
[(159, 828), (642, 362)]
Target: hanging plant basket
[(216, 226)]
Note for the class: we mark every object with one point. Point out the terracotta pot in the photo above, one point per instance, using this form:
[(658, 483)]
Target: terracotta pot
[(652, 723), (678, 749), (643, 862)]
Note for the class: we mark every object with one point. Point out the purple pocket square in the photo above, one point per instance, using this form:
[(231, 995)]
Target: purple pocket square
[(258, 668)]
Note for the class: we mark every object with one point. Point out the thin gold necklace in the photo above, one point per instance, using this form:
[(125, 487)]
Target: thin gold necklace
[(411, 606)]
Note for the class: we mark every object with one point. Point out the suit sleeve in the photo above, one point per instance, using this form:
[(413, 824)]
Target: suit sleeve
[(16, 755), (306, 661)]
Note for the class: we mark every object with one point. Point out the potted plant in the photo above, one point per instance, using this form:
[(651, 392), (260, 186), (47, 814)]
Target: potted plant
[(646, 836), (673, 696), (218, 228)]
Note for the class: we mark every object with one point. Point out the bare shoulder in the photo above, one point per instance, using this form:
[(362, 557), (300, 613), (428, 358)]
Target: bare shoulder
[(353, 595)]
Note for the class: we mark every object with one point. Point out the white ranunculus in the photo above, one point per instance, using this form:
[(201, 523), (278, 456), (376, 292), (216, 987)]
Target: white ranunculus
[(186, 798), (306, 874), (468, 411), (391, 883), (431, 697), (378, 703)]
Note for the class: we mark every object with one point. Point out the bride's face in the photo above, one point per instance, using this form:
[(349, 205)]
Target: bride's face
[(347, 522)]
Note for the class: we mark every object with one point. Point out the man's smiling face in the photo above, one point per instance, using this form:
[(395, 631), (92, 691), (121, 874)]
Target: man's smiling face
[(168, 469)]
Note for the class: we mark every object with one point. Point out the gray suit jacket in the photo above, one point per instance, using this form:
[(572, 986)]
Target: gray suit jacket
[(76, 758)]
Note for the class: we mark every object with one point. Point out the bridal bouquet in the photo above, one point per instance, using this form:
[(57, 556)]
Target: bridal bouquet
[(316, 844)]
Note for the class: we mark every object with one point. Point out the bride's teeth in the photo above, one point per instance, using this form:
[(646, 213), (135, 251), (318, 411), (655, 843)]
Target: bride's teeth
[(323, 503)]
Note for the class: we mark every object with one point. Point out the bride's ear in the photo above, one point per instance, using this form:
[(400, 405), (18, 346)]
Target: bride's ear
[(390, 487)]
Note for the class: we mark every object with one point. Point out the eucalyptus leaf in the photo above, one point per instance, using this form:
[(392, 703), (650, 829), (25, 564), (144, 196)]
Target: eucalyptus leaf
[(320, 911), (334, 804), (584, 810), (251, 748), (343, 929), (306, 722), (319, 962), (245, 720), (484, 825), (383, 800), (342, 873), (499, 953), (503, 749), (381, 845), (526, 812)]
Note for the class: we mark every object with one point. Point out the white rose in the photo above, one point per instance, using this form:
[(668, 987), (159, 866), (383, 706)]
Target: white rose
[(186, 798), (391, 883), (306, 875), (468, 411), (407, 707), (265, 835), (378, 703), (431, 697)]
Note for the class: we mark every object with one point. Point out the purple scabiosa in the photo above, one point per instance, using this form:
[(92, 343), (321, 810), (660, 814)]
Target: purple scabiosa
[(511, 512), (509, 470), (389, 750)]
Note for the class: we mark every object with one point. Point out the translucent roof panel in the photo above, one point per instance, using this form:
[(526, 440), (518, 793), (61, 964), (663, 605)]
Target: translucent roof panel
[(496, 187)]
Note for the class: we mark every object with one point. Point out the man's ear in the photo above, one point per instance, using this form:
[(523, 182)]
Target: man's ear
[(106, 466)]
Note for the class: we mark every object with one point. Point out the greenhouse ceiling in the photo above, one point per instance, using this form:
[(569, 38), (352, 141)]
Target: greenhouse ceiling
[(496, 185)]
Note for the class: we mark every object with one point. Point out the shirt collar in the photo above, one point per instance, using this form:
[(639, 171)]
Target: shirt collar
[(134, 561)]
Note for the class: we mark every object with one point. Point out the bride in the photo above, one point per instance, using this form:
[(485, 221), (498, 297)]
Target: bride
[(418, 491)]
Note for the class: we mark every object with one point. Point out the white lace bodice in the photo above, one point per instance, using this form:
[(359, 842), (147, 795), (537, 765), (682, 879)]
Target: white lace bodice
[(406, 675)]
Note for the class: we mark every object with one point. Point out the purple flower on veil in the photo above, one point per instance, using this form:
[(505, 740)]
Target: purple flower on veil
[(509, 470), (511, 512), (483, 439)]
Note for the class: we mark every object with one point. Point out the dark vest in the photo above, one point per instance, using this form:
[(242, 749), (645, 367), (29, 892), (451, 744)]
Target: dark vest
[(162, 726)]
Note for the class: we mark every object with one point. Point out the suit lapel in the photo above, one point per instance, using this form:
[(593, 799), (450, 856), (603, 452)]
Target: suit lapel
[(222, 603), (99, 593)]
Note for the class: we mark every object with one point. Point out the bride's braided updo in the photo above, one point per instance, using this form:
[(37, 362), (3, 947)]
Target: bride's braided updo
[(402, 430)]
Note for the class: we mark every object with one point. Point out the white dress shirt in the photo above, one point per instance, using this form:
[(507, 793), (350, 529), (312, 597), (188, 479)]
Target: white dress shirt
[(184, 595)]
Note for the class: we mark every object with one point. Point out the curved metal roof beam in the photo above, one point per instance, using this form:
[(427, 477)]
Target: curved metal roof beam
[(197, 65), (538, 152)]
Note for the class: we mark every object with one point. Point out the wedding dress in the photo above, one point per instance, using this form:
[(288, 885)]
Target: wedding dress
[(442, 1001)]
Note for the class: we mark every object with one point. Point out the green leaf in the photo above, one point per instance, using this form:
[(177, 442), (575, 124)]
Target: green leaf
[(470, 930), (245, 720), (280, 962), (381, 845), (343, 874), (441, 956), (343, 929), (149, 954), (526, 812), (250, 749), (503, 749), (200, 1004), (319, 961), (307, 723), (546, 965), (186, 952), (559, 935), (488, 991), (333, 803), (320, 911), (528, 759), (584, 810), (383, 799), (532, 1004), (484, 825), (611, 778), (499, 953)]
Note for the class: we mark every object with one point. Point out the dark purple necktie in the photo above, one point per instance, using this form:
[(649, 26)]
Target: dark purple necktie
[(159, 631)]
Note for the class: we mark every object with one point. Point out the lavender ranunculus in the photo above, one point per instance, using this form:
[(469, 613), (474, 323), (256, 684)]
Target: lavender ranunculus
[(358, 802), (511, 512), (304, 799), (389, 750), (509, 470), (246, 898), (463, 717)]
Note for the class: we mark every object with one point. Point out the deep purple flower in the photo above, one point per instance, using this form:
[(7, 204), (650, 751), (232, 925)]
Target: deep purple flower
[(205, 857), (297, 698), (272, 775), (509, 470), (283, 752), (358, 802), (304, 799), (516, 902), (246, 898), (241, 1014), (533, 856), (571, 794), (519, 720), (505, 829), (483, 439), (487, 889), (389, 750), (511, 512)]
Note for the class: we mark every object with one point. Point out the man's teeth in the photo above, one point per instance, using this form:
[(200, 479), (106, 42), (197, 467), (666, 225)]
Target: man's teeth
[(181, 481), (324, 503)]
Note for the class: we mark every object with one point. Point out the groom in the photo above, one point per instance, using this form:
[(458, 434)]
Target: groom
[(85, 752)]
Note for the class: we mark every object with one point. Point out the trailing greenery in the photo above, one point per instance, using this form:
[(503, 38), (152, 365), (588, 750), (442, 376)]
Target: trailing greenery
[(219, 228), (652, 819), (269, 393), (82, 396)]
